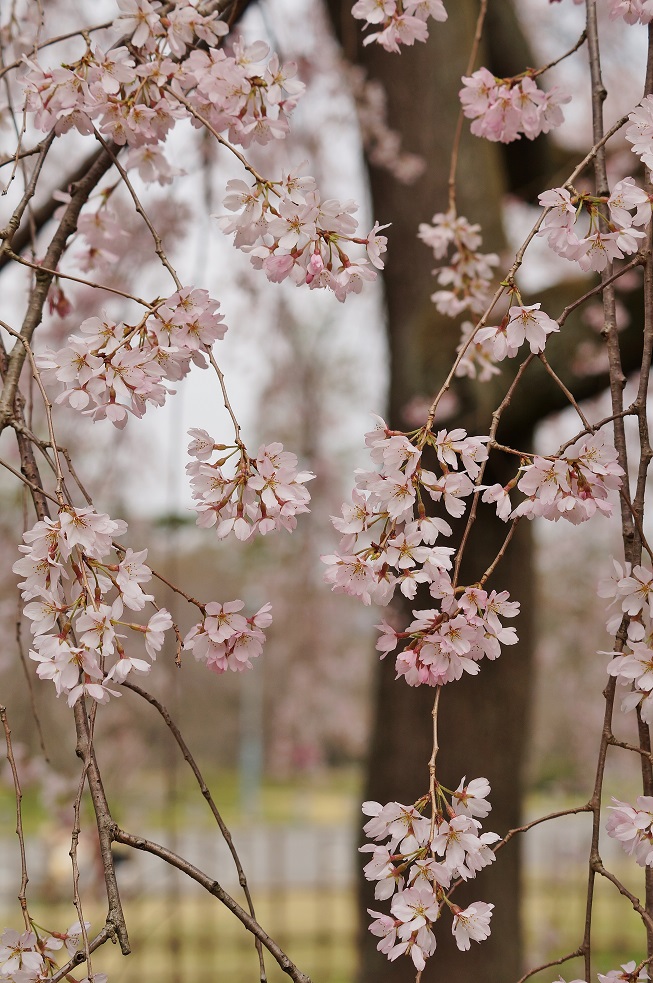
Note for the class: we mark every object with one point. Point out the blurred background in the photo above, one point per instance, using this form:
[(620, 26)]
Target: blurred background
[(284, 748)]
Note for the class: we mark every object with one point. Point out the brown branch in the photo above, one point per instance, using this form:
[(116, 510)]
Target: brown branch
[(635, 902), (213, 888), (67, 226), (77, 279), (553, 962), (496, 417), (570, 396), (115, 922), (455, 147), (80, 957), (613, 742), (637, 261), (573, 811), (206, 792), (72, 853)]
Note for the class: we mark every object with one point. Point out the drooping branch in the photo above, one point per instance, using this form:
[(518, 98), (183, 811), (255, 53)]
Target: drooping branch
[(214, 888)]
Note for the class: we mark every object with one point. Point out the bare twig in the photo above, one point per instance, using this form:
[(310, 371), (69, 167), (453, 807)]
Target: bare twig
[(206, 792), (214, 888), (22, 894)]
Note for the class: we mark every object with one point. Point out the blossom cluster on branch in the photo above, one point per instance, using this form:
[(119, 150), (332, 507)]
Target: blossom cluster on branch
[(111, 370), (504, 109), (407, 864)]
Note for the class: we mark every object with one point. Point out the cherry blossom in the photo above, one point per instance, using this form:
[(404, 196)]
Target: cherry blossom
[(408, 874), (468, 275), (519, 325), (399, 23), (472, 923), (225, 639), (261, 495), (113, 370), (75, 590), (504, 109), (574, 486), (606, 238), (288, 231), (633, 827)]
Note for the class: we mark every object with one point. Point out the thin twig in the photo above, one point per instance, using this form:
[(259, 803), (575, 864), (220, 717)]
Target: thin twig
[(33, 485), (80, 957), (78, 279), (570, 396), (455, 147), (633, 264), (554, 962), (573, 811), (47, 406), (24, 879), (158, 244), (74, 844), (214, 888), (225, 397), (496, 417), (206, 792)]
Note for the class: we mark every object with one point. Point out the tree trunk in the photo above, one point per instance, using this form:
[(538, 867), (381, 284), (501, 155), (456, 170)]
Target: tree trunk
[(483, 725)]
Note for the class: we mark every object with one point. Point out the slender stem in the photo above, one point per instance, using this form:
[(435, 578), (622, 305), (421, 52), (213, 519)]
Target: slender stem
[(74, 844), (206, 792), (432, 761), (455, 147), (80, 957), (552, 64), (158, 244), (22, 894), (225, 397), (214, 888), (496, 417), (47, 406), (78, 279), (33, 485), (570, 396), (553, 962)]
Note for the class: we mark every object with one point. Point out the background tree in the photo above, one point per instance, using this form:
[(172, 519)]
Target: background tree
[(422, 99)]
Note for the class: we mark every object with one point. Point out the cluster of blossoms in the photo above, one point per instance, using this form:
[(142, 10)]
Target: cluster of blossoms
[(419, 861), (225, 639), (607, 237), (130, 95), (24, 958), (468, 275), (110, 370), (628, 973), (76, 602), (640, 131), (398, 22), (135, 96), (443, 643), (501, 109), (630, 590), (263, 493), (476, 357), (633, 12), (288, 231), (573, 486), (633, 828), (520, 324)]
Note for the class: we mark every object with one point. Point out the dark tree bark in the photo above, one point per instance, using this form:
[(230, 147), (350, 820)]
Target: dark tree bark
[(484, 719)]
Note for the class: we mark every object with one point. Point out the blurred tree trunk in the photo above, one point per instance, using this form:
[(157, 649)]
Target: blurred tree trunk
[(484, 719)]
